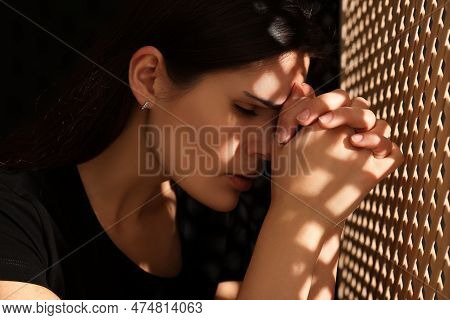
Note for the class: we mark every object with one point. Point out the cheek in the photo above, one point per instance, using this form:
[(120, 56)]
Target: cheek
[(215, 127), (228, 148), (213, 156), (200, 151), (208, 105), (204, 110)]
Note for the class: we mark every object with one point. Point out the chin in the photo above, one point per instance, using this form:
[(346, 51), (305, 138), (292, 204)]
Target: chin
[(222, 205), (213, 192)]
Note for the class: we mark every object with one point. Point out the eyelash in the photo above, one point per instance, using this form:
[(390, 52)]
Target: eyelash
[(247, 112)]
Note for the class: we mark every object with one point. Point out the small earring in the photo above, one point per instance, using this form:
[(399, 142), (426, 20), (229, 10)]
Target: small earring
[(146, 105)]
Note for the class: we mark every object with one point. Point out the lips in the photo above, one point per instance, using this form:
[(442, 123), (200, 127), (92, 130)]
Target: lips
[(240, 182), (251, 175)]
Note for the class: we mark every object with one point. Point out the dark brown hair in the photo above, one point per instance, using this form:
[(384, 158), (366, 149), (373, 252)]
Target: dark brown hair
[(195, 37)]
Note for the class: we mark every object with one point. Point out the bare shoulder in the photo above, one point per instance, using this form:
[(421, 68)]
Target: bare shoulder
[(14, 290)]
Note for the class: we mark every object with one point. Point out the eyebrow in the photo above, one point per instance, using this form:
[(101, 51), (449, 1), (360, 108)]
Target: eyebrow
[(267, 103)]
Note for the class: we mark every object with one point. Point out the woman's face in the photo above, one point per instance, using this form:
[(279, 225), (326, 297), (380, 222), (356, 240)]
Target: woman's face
[(204, 138)]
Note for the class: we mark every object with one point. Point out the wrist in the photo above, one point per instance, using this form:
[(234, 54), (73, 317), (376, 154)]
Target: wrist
[(290, 206), (297, 219)]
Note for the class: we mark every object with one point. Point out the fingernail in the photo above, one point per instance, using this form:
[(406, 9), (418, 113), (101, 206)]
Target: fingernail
[(326, 117), (304, 115), (357, 137)]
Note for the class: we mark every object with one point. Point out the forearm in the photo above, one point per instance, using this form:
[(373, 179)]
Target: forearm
[(285, 254), (324, 275)]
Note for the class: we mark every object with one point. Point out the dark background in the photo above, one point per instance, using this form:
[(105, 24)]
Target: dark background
[(32, 60)]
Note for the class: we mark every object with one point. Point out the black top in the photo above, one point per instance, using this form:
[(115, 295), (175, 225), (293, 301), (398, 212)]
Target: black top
[(50, 236)]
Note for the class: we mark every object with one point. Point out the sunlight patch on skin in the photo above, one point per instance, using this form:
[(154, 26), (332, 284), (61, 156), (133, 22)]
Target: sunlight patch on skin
[(328, 252), (315, 187), (339, 202), (269, 84), (323, 294), (307, 235), (229, 149), (298, 268), (228, 290)]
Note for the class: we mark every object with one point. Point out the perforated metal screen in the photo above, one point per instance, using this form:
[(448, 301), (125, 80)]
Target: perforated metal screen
[(396, 244)]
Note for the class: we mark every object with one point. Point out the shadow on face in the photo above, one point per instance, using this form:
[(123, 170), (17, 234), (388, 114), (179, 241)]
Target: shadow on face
[(223, 126)]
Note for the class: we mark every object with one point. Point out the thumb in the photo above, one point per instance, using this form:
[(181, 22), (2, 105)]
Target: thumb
[(287, 122), (300, 91), (297, 91)]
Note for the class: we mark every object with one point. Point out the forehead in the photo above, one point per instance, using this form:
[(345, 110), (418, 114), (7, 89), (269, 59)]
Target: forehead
[(270, 80)]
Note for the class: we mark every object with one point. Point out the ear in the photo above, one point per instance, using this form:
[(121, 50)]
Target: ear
[(146, 70)]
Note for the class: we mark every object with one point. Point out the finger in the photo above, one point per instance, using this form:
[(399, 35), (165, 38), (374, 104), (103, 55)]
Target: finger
[(360, 102), (311, 109), (380, 146), (352, 117), (381, 127), (308, 90), (384, 167), (287, 124)]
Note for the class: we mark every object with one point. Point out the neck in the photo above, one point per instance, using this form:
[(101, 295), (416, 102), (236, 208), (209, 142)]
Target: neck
[(113, 183)]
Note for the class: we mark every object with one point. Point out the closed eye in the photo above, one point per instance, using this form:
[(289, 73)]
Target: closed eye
[(245, 111)]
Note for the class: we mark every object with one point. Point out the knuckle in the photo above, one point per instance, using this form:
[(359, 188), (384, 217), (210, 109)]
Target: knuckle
[(384, 127), (384, 124), (370, 118), (344, 94), (362, 100)]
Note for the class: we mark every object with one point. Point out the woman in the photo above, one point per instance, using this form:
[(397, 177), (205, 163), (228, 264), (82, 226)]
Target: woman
[(89, 199)]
